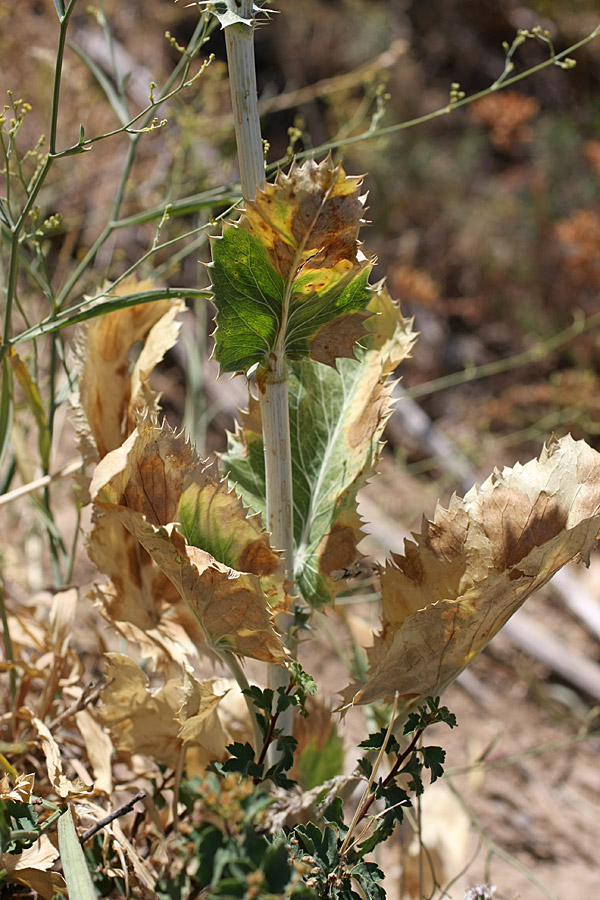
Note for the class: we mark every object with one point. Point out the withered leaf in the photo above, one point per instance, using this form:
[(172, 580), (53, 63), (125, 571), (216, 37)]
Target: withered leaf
[(474, 565), (291, 274), (31, 869), (116, 353), (159, 723), (196, 531)]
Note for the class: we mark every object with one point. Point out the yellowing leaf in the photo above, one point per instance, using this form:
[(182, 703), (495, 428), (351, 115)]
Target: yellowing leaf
[(138, 592), (197, 715), (116, 354), (474, 565), (34, 402), (196, 531), (291, 276), (158, 723)]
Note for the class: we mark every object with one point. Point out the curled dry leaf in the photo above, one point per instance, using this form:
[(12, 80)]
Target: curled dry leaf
[(473, 566), (116, 353), (159, 723), (291, 275), (63, 786), (196, 531), (62, 617), (31, 869), (20, 791)]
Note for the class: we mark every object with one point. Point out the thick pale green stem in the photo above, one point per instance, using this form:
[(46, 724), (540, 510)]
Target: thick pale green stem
[(274, 408), (239, 40), (273, 378)]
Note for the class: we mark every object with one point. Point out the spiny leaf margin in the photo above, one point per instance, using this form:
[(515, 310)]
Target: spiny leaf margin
[(336, 423), (290, 275), (475, 564)]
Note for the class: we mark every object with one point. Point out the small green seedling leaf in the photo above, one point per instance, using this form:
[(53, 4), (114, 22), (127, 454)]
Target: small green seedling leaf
[(433, 759)]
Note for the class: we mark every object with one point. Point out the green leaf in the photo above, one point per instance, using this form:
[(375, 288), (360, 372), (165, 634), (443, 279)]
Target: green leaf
[(433, 759), (34, 402), (291, 276), (414, 768), (376, 741), (368, 874), (77, 875), (336, 423), (319, 762)]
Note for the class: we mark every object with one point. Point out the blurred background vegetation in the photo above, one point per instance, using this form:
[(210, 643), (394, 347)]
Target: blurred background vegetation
[(485, 222)]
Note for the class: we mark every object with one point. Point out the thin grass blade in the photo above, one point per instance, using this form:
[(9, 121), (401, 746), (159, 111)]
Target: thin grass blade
[(6, 410), (77, 875), (112, 95)]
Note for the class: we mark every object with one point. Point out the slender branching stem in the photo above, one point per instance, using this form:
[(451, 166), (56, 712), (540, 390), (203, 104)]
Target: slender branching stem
[(364, 800), (229, 660)]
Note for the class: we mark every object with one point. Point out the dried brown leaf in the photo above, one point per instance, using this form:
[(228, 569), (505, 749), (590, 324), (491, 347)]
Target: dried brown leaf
[(158, 723), (20, 791), (474, 565), (116, 354), (63, 786), (196, 531), (30, 868), (99, 749)]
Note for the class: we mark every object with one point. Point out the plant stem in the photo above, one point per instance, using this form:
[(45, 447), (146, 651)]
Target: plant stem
[(8, 648), (236, 670), (273, 378), (239, 41)]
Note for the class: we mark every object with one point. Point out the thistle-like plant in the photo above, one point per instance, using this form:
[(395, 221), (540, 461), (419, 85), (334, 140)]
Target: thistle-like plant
[(204, 568)]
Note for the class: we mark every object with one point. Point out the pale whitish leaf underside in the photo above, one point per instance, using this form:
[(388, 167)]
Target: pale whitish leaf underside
[(336, 422), (474, 565)]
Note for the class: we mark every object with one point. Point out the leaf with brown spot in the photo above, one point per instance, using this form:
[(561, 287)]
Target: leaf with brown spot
[(197, 532), (474, 565), (336, 423), (291, 275)]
